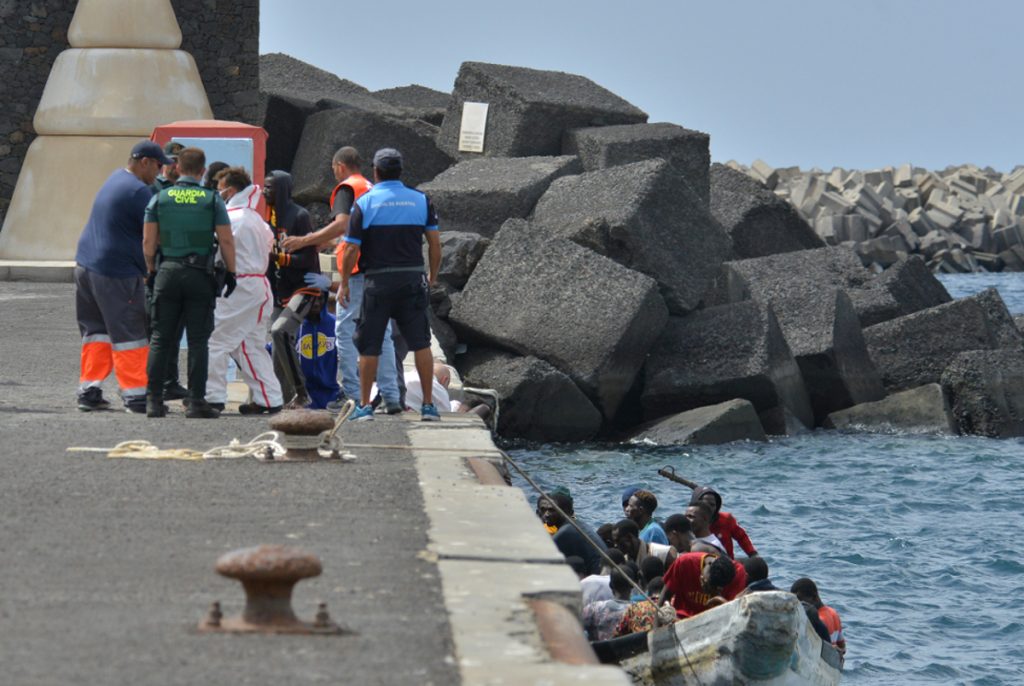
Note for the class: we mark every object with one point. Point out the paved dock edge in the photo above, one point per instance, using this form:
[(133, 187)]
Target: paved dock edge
[(494, 558)]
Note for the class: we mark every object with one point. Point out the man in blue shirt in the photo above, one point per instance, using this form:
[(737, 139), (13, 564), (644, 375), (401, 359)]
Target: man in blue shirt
[(389, 223), (110, 292)]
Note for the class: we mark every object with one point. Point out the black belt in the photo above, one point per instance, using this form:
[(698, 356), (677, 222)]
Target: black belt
[(392, 270)]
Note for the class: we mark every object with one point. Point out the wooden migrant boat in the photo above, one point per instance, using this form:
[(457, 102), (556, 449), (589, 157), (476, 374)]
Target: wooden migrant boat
[(761, 639)]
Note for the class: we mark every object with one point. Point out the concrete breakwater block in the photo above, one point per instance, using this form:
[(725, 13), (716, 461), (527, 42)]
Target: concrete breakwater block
[(417, 102), (283, 118), (835, 267), (631, 214), (733, 420), (688, 152), (478, 195), (825, 337), (586, 315), (758, 222), (460, 253), (986, 391), (921, 410), (914, 350), (287, 77), (724, 353), (329, 130), (912, 285), (538, 402), (529, 110)]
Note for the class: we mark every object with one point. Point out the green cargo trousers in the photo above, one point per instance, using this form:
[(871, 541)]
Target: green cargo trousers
[(180, 293)]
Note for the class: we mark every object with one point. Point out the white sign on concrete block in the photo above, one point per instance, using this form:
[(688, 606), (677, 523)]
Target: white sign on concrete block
[(474, 124)]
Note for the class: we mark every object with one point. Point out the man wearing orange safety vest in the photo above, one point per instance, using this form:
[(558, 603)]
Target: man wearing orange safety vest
[(346, 166), (110, 284)]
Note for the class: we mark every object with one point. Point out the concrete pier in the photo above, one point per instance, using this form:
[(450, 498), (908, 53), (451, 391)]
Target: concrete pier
[(109, 562)]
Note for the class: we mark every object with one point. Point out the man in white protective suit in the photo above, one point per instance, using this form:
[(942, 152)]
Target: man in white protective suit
[(240, 327)]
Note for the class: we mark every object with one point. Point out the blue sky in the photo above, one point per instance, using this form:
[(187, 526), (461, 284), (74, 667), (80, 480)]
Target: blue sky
[(855, 83)]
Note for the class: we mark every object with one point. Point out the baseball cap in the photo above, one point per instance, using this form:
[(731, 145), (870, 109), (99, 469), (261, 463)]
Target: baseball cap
[(150, 149), (172, 149), (387, 159)]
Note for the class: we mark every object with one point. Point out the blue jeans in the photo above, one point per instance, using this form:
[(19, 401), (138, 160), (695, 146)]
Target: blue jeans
[(348, 356)]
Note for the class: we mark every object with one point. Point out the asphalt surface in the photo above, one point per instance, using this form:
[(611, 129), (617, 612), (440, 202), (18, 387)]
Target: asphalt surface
[(108, 563)]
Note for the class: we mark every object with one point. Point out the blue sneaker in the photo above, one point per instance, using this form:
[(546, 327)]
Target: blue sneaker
[(429, 413), (362, 414)]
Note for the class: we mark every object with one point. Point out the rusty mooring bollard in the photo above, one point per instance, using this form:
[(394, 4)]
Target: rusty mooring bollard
[(268, 573), (300, 432)]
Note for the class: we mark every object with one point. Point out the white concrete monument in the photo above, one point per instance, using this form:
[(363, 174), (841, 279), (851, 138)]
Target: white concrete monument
[(122, 76)]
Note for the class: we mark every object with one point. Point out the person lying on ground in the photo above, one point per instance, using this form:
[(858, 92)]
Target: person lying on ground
[(723, 524), (601, 618), (640, 509)]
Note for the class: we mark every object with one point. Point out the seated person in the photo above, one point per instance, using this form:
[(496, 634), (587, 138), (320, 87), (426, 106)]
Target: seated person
[(602, 617), (807, 591), (699, 581), (641, 616), (680, 537), (576, 563), (699, 515), (626, 537), (640, 509), (723, 524), (757, 575), (597, 586), (567, 538), (651, 568)]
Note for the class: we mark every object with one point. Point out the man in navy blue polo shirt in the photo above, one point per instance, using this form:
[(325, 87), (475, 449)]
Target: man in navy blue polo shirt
[(388, 224)]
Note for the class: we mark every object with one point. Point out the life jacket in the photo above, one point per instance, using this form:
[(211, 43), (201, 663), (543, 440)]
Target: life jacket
[(359, 186), (186, 214)]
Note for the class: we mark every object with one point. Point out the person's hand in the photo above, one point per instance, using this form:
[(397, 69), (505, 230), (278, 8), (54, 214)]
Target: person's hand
[(343, 294), (150, 280), (666, 615), (230, 283), (321, 281), (715, 602), (292, 243)]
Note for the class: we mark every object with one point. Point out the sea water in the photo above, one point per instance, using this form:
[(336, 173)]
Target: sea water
[(916, 541)]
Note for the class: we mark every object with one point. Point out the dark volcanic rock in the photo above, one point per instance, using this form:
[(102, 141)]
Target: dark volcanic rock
[(912, 285), (922, 410), (686, 151), (529, 110), (327, 131), (914, 350), (722, 353), (635, 215), (986, 391), (826, 339), (538, 402), (283, 119), (418, 102), (460, 253), (287, 77), (588, 316), (479, 195), (812, 270), (758, 221), (733, 420)]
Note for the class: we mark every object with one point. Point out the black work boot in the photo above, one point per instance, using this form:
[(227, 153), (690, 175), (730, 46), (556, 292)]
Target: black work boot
[(155, 407), (175, 391), (200, 409)]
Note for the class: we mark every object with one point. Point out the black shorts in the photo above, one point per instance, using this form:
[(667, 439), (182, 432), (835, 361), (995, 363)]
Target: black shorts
[(402, 296)]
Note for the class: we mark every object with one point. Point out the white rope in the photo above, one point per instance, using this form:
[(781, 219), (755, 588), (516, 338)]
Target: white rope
[(257, 447)]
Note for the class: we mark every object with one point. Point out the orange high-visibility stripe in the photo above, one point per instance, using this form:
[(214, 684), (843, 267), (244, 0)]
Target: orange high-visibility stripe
[(360, 186), (130, 367), (97, 361)]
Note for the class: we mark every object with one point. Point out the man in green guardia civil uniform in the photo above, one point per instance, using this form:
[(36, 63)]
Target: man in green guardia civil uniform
[(182, 222)]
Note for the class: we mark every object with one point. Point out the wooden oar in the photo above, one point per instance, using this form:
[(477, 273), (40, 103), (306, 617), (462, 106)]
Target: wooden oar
[(670, 474)]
